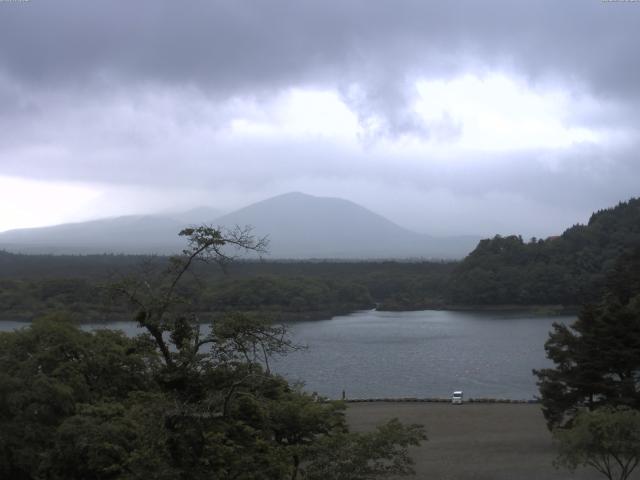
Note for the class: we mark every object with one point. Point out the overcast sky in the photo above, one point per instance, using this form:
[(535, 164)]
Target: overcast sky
[(448, 117)]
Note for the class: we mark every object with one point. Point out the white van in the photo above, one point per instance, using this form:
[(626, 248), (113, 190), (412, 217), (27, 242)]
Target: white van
[(457, 397)]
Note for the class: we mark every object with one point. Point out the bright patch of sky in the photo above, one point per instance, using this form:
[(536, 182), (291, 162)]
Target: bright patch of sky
[(497, 112), (294, 113), (494, 112), (29, 203)]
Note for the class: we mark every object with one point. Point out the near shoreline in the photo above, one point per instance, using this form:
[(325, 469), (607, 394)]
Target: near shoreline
[(473, 441)]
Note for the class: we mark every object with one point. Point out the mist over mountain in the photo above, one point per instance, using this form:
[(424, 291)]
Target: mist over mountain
[(305, 226), (297, 225), (128, 234), (197, 215)]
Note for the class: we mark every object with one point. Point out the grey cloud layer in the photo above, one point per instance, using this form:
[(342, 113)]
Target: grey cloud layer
[(239, 45), (134, 92)]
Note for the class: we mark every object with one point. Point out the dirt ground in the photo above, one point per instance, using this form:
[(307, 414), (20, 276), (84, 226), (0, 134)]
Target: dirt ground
[(474, 441)]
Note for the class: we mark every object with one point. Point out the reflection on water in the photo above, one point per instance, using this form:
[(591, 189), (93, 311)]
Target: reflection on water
[(421, 354), (411, 354)]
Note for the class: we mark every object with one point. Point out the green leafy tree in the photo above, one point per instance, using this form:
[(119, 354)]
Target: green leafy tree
[(266, 428), (350, 456), (47, 373), (597, 358), (606, 439), (174, 403), (568, 269)]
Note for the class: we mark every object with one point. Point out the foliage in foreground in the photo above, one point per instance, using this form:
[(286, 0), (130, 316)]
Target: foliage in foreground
[(591, 398), (606, 439), (80, 405), (175, 403)]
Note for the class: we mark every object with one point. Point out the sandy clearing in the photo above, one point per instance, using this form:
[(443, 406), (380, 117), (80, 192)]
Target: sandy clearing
[(474, 441)]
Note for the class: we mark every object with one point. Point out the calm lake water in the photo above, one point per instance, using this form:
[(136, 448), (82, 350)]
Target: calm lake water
[(412, 354)]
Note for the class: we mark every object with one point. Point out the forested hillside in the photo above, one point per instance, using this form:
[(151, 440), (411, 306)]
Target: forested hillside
[(569, 269), (565, 270), (32, 284)]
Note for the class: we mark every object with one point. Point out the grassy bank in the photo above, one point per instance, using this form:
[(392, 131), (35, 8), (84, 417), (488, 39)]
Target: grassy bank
[(497, 441)]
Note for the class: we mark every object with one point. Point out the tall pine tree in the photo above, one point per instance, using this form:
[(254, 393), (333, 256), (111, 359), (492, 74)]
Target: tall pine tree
[(597, 358)]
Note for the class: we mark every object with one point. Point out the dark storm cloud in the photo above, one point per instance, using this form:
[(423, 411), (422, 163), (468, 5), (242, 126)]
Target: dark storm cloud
[(239, 46)]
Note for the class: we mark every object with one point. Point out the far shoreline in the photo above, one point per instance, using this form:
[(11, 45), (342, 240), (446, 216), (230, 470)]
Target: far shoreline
[(543, 309), (315, 315)]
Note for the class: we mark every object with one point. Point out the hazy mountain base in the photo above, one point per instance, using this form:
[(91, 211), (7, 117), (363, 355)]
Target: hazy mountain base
[(503, 272), (298, 226)]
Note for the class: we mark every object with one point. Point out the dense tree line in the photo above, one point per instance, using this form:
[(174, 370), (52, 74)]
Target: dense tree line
[(569, 269), (565, 270), (597, 358), (317, 289), (288, 294), (105, 267), (591, 395), (25, 299)]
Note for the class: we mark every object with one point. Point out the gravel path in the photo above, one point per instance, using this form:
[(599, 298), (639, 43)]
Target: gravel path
[(474, 441)]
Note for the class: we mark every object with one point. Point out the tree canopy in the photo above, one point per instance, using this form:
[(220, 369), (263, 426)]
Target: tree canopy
[(606, 439), (568, 269), (597, 358), (175, 402)]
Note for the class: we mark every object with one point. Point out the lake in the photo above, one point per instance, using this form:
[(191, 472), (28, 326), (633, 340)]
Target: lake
[(373, 354)]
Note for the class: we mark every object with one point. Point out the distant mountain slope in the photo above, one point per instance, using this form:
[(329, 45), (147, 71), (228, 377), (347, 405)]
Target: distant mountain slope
[(569, 269), (139, 234), (298, 226), (128, 234), (196, 215), (305, 226)]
